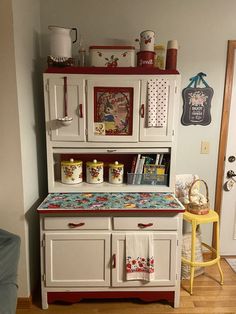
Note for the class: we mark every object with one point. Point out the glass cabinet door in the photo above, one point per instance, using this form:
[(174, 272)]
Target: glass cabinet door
[(113, 107)]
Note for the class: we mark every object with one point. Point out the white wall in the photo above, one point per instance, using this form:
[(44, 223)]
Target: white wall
[(21, 141), (26, 23), (11, 191), (202, 29)]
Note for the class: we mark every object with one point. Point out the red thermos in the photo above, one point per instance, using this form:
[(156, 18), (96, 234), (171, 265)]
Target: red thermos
[(171, 55)]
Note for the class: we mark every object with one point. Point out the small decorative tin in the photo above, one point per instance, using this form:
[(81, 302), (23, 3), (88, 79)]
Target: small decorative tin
[(116, 172), (147, 39), (145, 59), (94, 171), (71, 171)]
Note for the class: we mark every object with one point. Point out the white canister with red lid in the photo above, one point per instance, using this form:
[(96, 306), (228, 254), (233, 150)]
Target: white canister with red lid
[(145, 59), (71, 171), (147, 39), (116, 172), (94, 171)]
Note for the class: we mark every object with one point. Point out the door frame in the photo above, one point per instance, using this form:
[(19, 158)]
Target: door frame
[(224, 127)]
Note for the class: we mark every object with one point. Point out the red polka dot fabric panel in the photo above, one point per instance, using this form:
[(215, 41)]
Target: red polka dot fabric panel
[(157, 97)]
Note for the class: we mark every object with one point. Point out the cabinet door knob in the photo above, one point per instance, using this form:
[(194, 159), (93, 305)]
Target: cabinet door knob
[(142, 111), (73, 225), (141, 225), (114, 260), (81, 110)]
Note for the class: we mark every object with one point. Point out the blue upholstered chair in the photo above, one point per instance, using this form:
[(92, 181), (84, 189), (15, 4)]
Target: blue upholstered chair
[(9, 257)]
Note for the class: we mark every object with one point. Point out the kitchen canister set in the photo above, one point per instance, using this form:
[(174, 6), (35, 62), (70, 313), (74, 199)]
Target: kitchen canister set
[(151, 55), (72, 172)]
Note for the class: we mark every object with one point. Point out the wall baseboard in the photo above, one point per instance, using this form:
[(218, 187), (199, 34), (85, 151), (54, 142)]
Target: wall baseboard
[(24, 303)]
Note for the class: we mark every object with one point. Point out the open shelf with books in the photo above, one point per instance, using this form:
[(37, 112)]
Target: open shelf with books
[(140, 169)]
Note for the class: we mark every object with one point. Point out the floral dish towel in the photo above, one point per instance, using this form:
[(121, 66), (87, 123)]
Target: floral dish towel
[(139, 256)]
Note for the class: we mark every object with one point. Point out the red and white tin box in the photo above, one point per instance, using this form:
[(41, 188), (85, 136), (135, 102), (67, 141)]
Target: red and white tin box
[(112, 56)]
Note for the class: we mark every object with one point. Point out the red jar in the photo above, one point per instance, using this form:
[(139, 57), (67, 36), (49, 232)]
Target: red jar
[(145, 59)]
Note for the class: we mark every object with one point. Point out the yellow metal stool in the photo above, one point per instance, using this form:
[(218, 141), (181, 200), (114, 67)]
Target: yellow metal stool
[(196, 220)]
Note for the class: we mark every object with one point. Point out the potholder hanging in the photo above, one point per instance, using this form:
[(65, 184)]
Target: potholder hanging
[(197, 102)]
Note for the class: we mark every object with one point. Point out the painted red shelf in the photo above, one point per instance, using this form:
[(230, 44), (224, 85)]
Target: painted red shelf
[(105, 70)]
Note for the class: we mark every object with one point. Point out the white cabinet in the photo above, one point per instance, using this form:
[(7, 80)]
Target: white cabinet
[(165, 251), (110, 108), (120, 114), (108, 117), (64, 96), (113, 109), (77, 259), (87, 253)]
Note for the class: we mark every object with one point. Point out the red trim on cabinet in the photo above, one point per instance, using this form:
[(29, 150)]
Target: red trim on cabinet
[(108, 211), (147, 296), (105, 70)]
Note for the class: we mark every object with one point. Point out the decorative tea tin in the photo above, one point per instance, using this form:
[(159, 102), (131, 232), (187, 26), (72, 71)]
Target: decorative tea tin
[(147, 39), (112, 56), (94, 171), (116, 173), (145, 59), (71, 171)]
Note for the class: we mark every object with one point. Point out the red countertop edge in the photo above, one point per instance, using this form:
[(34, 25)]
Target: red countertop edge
[(110, 71), (108, 211)]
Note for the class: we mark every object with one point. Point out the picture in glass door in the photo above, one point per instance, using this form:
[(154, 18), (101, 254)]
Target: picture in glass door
[(113, 110)]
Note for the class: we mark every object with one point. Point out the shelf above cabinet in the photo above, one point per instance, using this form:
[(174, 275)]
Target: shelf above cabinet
[(104, 70)]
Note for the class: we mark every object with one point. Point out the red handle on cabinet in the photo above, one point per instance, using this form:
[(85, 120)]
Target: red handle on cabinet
[(73, 225), (81, 110), (140, 225), (114, 260), (142, 111)]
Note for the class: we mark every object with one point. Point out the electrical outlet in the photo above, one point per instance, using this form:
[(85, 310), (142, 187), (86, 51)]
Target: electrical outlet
[(205, 147)]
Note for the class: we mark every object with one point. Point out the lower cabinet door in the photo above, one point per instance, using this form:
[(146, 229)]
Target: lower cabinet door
[(165, 252), (78, 259)]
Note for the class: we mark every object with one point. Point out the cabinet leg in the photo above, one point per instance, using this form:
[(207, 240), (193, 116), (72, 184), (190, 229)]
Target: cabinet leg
[(44, 297)]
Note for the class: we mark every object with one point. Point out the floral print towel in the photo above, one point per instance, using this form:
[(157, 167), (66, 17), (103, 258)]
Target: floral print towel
[(139, 256)]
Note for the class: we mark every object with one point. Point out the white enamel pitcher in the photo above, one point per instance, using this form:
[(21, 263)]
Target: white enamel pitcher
[(61, 41)]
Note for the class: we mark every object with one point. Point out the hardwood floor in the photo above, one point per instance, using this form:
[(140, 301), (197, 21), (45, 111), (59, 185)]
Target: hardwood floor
[(208, 297)]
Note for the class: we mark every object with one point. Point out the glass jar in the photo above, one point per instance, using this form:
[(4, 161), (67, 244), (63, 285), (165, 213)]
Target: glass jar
[(159, 57)]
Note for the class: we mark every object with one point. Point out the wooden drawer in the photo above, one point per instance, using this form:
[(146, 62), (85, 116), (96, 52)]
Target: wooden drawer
[(76, 223), (145, 223)]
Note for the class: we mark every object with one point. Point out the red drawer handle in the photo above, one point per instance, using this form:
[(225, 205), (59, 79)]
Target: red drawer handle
[(81, 110), (114, 260), (73, 225), (142, 111), (140, 225)]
